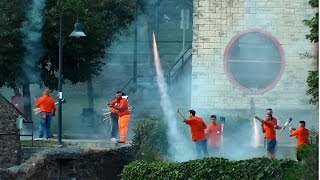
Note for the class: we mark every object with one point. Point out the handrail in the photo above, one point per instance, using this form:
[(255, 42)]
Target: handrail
[(181, 58), (131, 79)]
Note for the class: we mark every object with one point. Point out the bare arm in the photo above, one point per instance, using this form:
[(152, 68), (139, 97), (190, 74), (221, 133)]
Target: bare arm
[(292, 131), (180, 115), (259, 119)]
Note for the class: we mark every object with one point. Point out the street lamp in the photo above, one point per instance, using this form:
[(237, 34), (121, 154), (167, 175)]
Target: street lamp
[(77, 32)]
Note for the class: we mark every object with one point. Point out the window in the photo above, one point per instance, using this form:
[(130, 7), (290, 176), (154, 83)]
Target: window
[(254, 61)]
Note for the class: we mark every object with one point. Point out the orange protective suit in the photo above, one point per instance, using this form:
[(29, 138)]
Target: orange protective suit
[(124, 117)]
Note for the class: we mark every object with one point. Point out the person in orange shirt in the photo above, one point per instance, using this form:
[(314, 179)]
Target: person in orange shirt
[(17, 100), (302, 135), (47, 110), (197, 127), (214, 132), (122, 106), (269, 126)]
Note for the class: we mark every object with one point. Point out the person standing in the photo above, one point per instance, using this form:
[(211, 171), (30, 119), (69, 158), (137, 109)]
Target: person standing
[(269, 126), (302, 135), (122, 106), (17, 100), (214, 132), (47, 110), (274, 119), (197, 127)]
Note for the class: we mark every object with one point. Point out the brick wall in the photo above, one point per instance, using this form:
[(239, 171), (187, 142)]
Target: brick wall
[(215, 23), (9, 137)]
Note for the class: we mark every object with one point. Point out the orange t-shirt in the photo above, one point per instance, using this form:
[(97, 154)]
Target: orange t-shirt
[(114, 102), (302, 135), (46, 104), (214, 134), (121, 103), (197, 127), (269, 128)]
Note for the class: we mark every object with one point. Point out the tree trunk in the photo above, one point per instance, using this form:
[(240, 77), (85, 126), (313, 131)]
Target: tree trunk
[(26, 101), (90, 94)]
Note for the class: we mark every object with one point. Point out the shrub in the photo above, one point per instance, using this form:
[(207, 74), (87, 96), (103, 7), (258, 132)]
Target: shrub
[(150, 139), (211, 168), (310, 161)]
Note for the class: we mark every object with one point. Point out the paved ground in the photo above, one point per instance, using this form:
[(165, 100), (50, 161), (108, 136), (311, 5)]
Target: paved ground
[(80, 142)]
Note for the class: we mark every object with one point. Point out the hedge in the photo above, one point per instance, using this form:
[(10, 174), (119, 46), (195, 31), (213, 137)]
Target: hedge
[(212, 168)]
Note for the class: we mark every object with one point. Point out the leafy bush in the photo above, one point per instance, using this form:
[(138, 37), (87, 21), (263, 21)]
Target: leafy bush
[(313, 87), (211, 168), (150, 139), (310, 161)]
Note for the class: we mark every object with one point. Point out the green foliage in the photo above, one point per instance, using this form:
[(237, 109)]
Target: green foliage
[(310, 161), (313, 76), (313, 23), (102, 21), (150, 139), (313, 136), (313, 84), (212, 168), (11, 46)]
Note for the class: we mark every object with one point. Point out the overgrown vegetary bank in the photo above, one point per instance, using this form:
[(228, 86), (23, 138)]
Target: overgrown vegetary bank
[(212, 168)]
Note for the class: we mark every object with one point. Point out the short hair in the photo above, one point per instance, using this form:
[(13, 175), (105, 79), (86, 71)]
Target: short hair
[(213, 116), (302, 122), (193, 112), (119, 92), (269, 109), (47, 91)]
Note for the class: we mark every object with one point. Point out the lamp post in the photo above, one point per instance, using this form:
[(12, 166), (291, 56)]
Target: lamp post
[(77, 32)]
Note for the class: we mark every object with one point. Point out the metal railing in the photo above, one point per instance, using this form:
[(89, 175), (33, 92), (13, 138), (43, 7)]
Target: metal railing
[(178, 65)]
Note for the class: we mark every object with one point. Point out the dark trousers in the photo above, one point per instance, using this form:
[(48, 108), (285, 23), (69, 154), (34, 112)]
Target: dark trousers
[(114, 125)]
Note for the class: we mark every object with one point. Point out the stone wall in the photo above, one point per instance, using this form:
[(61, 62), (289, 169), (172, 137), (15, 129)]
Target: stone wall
[(215, 23), (72, 163), (9, 136)]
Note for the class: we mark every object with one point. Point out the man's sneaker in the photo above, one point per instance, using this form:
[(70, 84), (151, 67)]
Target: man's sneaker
[(38, 139), (113, 139), (120, 141)]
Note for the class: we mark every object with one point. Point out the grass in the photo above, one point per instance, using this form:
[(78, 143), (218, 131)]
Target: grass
[(28, 143)]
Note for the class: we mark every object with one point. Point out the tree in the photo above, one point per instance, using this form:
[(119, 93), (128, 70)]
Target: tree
[(12, 49), (102, 21), (313, 76), (83, 57)]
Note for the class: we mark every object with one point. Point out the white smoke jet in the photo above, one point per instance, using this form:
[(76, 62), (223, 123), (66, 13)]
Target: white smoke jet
[(178, 150), (32, 36)]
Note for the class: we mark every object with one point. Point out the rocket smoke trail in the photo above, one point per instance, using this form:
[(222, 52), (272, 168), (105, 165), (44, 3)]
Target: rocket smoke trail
[(177, 142), (256, 140)]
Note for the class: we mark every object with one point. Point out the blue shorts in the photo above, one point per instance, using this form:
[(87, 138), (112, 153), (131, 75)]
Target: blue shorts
[(271, 145)]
